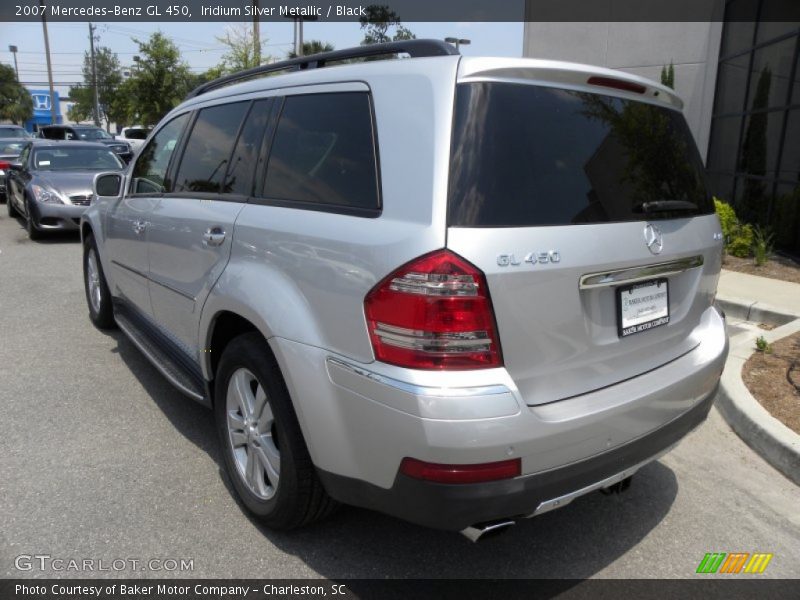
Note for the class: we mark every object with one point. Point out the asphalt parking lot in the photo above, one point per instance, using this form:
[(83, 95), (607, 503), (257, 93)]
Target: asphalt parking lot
[(103, 459)]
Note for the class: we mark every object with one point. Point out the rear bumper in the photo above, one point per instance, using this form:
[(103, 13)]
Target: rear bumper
[(361, 420), (455, 507)]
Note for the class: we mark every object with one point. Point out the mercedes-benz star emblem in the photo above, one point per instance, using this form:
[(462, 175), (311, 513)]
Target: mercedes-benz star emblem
[(653, 238)]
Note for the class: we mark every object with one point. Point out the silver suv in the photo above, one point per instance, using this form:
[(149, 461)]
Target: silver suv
[(455, 290)]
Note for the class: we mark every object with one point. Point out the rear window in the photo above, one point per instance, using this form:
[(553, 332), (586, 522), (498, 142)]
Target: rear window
[(525, 155), (323, 154)]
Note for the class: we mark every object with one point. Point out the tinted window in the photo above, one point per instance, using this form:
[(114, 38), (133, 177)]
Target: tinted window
[(240, 173), (55, 133), (70, 158), (524, 155), (323, 152), (150, 171), (136, 134), (209, 148)]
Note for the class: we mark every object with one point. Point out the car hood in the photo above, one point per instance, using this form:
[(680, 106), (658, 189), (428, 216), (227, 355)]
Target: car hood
[(66, 182)]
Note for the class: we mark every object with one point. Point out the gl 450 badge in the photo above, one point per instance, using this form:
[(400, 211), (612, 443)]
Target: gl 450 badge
[(551, 256)]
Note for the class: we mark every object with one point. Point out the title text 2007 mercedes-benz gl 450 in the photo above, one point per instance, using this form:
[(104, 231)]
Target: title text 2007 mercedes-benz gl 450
[(459, 291)]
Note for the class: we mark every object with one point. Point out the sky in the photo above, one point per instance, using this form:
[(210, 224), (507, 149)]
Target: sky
[(200, 49)]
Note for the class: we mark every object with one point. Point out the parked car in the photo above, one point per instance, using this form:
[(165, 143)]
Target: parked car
[(135, 136), (50, 183), (14, 132), (526, 259), (9, 151), (87, 133)]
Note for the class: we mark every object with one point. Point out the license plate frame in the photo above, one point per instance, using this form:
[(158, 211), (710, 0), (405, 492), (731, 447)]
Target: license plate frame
[(634, 323)]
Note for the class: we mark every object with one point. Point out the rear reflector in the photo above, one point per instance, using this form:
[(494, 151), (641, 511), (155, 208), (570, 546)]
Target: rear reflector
[(433, 313), (619, 84), (494, 471)]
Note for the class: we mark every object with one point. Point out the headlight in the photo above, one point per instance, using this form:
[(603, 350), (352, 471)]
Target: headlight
[(42, 194)]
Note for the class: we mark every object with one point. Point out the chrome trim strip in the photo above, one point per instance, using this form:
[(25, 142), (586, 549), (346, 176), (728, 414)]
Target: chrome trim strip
[(642, 273), (143, 349), (148, 278), (420, 390), (560, 501), (130, 269)]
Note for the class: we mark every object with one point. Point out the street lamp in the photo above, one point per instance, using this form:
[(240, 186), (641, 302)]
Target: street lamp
[(13, 50), (458, 42)]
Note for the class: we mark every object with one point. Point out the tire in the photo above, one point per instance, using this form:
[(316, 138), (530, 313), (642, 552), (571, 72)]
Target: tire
[(291, 495), (30, 227), (12, 212), (98, 297)]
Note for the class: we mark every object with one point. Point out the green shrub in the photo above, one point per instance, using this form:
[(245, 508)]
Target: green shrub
[(738, 237), (763, 346), (763, 244)]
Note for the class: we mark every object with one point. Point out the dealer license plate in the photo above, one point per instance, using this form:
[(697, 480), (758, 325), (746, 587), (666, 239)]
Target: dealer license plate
[(642, 306)]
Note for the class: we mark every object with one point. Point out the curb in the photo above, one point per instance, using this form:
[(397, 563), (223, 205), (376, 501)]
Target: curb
[(771, 439), (748, 310)]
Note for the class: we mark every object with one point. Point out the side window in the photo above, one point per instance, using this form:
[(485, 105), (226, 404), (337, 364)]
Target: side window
[(53, 133), (150, 170), (208, 149), (239, 178), (323, 152)]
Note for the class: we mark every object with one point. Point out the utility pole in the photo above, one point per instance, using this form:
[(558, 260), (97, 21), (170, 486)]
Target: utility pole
[(96, 107), (256, 35), (13, 50), (53, 116)]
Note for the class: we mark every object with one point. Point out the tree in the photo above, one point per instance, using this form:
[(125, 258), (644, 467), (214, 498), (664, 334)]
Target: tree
[(378, 22), (241, 50), (668, 75), (109, 79), (159, 83), (16, 104), (313, 47)]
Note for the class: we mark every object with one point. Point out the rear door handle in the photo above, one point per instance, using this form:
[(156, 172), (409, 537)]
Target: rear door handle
[(214, 236)]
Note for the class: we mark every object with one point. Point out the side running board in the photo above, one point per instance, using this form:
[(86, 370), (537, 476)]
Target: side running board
[(175, 373)]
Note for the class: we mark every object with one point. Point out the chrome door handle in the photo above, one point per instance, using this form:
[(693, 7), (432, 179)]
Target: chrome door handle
[(139, 227), (214, 236)]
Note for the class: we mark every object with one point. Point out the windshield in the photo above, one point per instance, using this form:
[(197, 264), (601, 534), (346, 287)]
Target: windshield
[(93, 134), (69, 159), (13, 132), (526, 155)]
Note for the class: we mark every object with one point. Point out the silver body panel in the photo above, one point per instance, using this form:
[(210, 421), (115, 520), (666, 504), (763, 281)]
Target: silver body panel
[(569, 388)]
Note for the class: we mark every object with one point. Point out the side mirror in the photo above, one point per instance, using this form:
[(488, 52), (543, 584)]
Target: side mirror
[(107, 184)]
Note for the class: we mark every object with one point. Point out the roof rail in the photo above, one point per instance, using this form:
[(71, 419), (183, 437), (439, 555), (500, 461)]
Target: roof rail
[(414, 48)]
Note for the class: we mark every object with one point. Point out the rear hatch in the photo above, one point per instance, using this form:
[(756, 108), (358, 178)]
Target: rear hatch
[(586, 207)]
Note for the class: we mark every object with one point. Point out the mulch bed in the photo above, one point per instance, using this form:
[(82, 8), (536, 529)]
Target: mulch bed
[(777, 267), (774, 380)]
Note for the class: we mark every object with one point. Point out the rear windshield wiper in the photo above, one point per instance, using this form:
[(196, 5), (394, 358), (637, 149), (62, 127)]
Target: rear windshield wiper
[(655, 206)]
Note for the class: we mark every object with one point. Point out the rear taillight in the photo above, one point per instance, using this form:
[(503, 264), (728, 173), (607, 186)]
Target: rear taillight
[(618, 84), (4, 165), (434, 313)]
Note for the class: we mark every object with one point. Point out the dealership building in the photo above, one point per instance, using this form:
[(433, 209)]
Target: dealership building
[(740, 82)]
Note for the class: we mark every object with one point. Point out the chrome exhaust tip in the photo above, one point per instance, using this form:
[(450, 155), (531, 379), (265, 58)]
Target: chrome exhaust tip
[(480, 531)]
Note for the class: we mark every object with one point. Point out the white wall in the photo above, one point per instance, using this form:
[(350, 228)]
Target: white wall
[(640, 48)]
